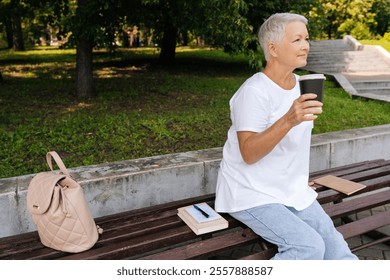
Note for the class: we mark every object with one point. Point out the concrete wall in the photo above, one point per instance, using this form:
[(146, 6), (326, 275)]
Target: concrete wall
[(120, 186), (348, 39)]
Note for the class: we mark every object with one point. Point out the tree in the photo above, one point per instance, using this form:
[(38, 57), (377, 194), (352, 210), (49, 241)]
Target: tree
[(12, 12), (5, 23), (233, 24), (362, 19), (89, 21), (84, 48), (227, 24), (92, 21), (381, 9), (168, 19), (34, 16)]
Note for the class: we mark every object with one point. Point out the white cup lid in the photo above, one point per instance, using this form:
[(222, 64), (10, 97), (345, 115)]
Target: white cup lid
[(312, 77)]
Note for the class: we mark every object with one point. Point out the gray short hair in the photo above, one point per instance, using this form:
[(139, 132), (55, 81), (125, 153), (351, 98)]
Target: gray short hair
[(273, 29)]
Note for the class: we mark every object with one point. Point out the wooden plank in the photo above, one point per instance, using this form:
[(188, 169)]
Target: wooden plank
[(17, 241), (364, 225), (136, 246), (153, 210), (206, 248), (379, 171), (376, 183), (111, 235), (328, 195), (141, 229), (350, 168), (263, 255), (383, 240), (357, 174), (358, 204), (130, 246)]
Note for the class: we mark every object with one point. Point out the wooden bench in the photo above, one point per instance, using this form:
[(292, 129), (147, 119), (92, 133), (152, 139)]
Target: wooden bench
[(157, 232)]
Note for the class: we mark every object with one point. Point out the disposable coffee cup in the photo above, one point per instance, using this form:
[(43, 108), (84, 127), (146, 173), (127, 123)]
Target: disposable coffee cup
[(312, 83)]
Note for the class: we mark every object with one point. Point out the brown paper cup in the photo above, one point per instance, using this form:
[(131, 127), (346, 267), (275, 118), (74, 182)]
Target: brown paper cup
[(312, 83)]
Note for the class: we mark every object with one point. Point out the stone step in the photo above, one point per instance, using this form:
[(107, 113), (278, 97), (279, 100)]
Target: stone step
[(350, 59), (345, 55), (341, 68), (374, 93), (371, 83), (384, 91), (347, 59), (363, 60), (352, 66), (367, 67), (371, 64)]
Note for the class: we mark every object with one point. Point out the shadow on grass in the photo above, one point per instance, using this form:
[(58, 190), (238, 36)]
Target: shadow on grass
[(124, 73)]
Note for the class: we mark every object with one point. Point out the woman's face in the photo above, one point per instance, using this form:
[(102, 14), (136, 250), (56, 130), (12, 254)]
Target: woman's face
[(294, 47)]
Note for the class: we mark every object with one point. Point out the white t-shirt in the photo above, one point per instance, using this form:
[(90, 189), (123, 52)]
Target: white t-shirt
[(282, 175)]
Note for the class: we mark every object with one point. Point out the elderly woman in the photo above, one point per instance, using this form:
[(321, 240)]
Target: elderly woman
[(263, 177)]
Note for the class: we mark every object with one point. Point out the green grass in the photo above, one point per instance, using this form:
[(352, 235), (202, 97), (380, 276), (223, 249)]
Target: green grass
[(383, 43), (340, 112), (142, 109)]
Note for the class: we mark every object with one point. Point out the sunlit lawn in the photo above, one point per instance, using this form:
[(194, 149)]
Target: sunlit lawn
[(383, 43)]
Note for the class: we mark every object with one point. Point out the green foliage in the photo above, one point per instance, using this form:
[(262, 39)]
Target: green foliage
[(359, 19), (231, 24), (362, 19), (386, 37), (229, 27), (381, 8), (96, 20)]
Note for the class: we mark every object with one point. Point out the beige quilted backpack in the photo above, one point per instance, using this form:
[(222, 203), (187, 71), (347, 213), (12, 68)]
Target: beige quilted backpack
[(59, 210)]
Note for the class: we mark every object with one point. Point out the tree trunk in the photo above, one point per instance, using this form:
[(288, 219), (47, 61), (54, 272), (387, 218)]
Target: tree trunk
[(84, 70), (8, 31), (17, 34), (168, 45), (185, 38)]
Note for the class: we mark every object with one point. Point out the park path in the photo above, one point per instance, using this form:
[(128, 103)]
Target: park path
[(362, 70)]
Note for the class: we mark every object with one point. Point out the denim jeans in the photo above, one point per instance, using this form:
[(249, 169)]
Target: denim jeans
[(300, 235)]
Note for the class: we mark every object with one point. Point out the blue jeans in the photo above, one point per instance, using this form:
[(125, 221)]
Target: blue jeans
[(300, 235)]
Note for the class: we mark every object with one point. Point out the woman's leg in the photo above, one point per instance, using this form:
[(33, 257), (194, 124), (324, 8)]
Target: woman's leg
[(335, 246), (306, 234), (277, 224)]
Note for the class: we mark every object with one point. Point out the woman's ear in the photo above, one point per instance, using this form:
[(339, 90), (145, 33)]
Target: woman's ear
[(272, 49)]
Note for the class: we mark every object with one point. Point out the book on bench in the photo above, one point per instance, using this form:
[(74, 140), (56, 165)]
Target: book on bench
[(201, 218), (339, 184)]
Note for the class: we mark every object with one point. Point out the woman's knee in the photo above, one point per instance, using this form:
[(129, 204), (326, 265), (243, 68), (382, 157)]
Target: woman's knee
[(312, 249)]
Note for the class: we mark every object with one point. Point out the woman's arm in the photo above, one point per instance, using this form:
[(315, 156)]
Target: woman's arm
[(254, 146)]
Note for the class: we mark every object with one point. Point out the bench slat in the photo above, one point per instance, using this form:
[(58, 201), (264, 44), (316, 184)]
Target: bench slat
[(326, 195), (350, 168), (263, 255), (208, 247), (357, 204), (364, 225), (382, 240), (135, 246)]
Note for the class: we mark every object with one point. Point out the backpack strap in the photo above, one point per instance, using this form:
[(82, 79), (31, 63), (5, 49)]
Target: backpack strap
[(53, 155)]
